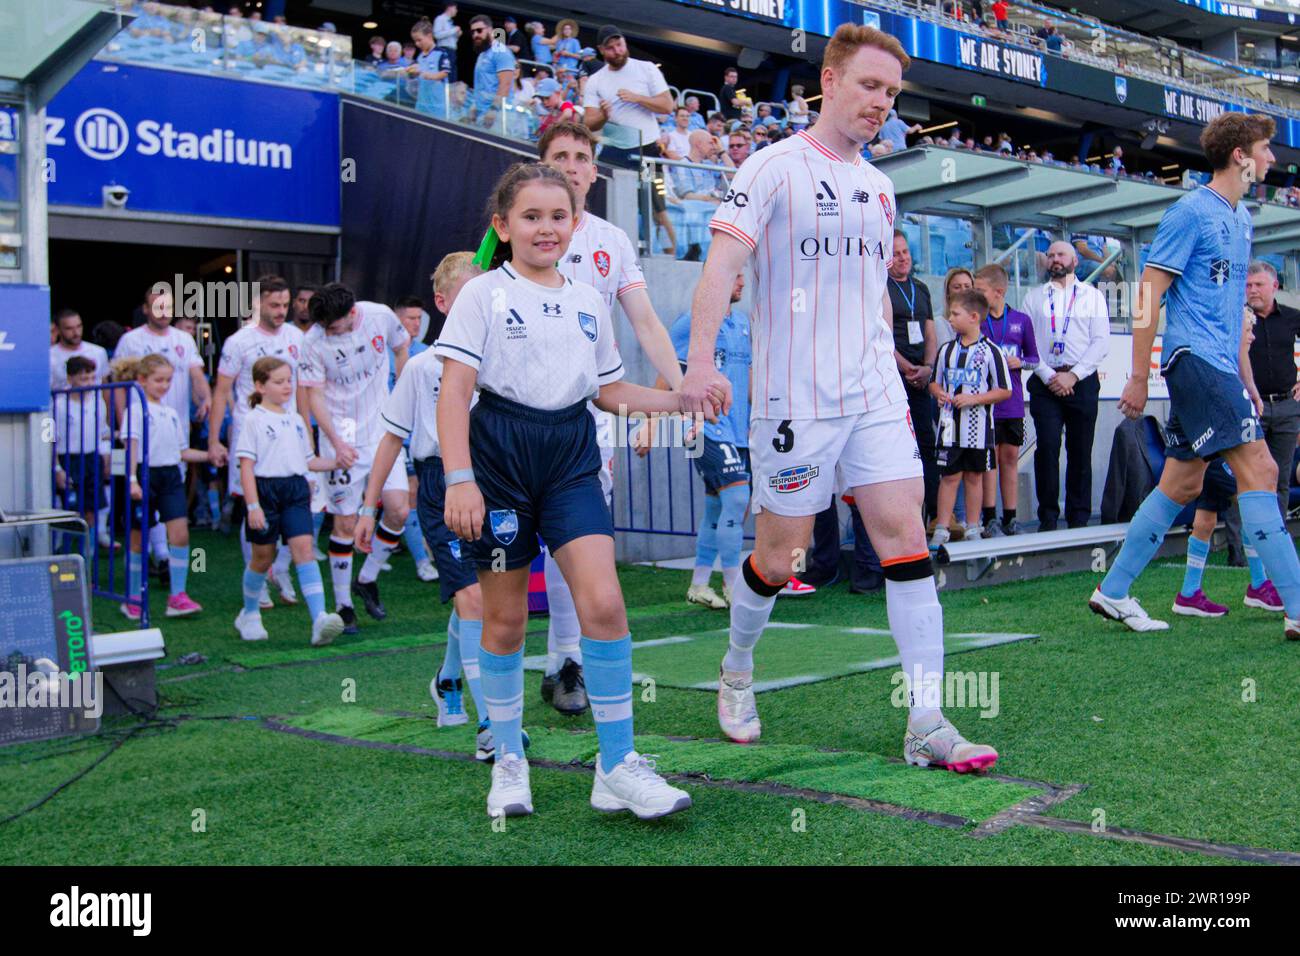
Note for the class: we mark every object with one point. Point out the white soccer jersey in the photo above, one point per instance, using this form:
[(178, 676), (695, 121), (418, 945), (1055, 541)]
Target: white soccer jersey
[(821, 230), (167, 436), (541, 347), (179, 349), (601, 255), (277, 442), (80, 424), (244, 348), (353, 370), (410, 411), (59, 355), (970, 370)]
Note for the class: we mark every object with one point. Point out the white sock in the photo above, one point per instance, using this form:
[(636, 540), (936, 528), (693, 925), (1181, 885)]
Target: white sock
[(101, 523), (700, 576), (563, 632), (730, 576), (157, 542), (381, 546), (282, 559), (340, 557), (749, 614), (916, 620)]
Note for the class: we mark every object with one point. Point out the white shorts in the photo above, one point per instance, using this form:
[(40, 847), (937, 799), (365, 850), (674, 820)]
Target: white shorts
[(799, 466), (345, 488)]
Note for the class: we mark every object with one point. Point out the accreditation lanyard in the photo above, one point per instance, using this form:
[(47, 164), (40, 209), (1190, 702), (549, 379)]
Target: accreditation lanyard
[(1058, 342), (910, 300)]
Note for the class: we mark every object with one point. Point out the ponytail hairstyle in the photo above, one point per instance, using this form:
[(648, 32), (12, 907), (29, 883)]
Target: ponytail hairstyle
[(504, 195), (263, 368)]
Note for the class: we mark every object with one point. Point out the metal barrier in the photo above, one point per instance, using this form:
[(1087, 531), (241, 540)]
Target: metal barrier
[(688, 218), (688, 92), (90, 416)]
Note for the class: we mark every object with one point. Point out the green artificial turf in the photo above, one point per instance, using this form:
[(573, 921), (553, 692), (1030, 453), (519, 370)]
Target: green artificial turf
[(1184, 732)]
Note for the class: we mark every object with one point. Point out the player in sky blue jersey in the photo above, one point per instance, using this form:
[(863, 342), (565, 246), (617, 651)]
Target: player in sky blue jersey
[(1200, 258), (724, 459)]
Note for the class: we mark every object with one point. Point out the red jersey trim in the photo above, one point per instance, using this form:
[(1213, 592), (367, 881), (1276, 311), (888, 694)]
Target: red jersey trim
[(734, 232)]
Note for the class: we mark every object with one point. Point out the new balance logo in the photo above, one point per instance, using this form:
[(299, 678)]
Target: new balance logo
[(575, 257), (860, 195)]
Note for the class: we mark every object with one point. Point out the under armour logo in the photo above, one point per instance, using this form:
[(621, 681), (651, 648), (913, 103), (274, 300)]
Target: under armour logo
[(549, 309)]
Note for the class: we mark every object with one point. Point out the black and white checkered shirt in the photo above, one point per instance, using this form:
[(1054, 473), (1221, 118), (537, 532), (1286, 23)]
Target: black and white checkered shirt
[(972, 370)]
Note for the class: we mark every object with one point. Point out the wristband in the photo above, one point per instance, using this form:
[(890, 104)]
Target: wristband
[(459, 476), (255, 506), (367, 512)]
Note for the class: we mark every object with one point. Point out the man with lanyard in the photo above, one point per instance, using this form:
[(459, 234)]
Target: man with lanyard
[(915, 345), (1071, 318), (601, 255)]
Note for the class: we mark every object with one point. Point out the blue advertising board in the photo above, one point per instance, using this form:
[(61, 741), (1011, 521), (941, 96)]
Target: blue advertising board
[(194, 145), (24, 347)]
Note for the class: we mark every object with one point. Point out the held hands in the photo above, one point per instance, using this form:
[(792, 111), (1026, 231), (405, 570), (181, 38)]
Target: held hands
[(217, 453), (705, 391), (1062, 383), (643, 438), (345, 455), (464, 511), (918, 376), (136, 491), (1134, 397)]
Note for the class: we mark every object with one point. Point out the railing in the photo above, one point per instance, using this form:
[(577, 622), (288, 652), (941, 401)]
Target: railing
[(684, 221), (96, 483)]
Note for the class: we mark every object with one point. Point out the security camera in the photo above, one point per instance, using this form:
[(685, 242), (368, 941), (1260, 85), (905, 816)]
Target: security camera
[(115, 197)]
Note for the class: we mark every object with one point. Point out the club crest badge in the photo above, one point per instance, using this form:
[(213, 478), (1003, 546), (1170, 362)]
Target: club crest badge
[(601, 258), (587, 323), (505, 525), (889, 210)]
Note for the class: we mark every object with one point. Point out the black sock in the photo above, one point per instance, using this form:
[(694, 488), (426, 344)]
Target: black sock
[(988, 515), (1008, 515)]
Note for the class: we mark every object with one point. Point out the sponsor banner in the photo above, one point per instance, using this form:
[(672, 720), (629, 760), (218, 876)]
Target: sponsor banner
[(1114, 371), (24, 347), (194, 145)]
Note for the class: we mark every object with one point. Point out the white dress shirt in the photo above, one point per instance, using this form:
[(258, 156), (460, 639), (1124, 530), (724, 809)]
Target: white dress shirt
[(1082, 320)]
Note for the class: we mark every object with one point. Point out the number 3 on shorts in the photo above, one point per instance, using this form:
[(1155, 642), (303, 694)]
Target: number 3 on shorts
[(784, 440)]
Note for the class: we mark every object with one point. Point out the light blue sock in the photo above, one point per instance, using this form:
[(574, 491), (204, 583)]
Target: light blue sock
[(1197, 552), (310, 586), (253, 584), (1262, 526), (178, 566), (317, 522), (450, 669), (134, 563), (731, 524), (1145, 532), (214, 503), (706, 542), (503, 690), (470, 635), (415, 538), (607, 667), (1257, 575)]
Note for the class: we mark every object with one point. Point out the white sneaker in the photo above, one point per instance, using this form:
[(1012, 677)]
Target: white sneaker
[(325, 628), (974, 532), (264, 600), (284, 581), (1127, 611), (250, 626), (426, 571), (940, 537), (705, 596), (386, 566), (510, 795), (1292, 631), (737, 711), (634, 785)]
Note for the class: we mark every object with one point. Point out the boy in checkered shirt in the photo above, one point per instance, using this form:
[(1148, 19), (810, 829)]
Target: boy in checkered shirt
[(970, 377)]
